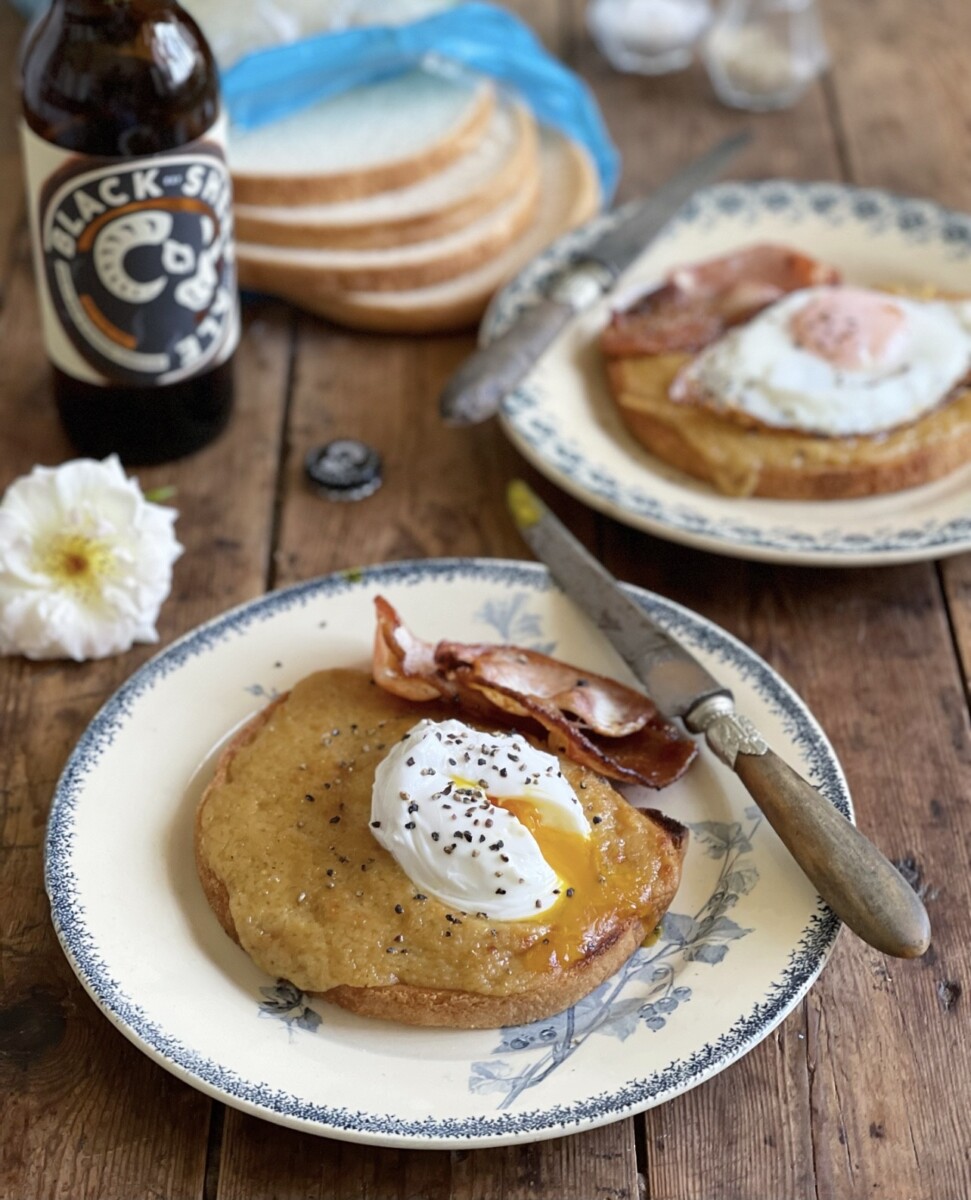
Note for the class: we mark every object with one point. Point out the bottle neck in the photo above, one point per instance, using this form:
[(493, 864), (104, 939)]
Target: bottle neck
[(118, 77), (106, 9), (88, 8)]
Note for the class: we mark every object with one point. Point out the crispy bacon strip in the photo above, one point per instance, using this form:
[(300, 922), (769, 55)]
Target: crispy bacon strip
[(588, 718), (595, 702), (403, 664), (696, 304)]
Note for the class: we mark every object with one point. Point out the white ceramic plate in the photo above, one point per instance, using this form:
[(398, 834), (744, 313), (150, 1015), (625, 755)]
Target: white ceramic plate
[(563, 420), (745, 938)]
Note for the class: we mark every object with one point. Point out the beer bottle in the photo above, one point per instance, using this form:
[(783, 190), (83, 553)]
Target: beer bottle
[(131, 213)]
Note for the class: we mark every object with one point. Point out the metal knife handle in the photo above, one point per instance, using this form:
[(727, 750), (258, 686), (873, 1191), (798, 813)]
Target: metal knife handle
[(475, 391)]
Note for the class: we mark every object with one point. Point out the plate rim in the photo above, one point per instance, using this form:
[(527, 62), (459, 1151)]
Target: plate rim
[(806, 958), (946, 225)]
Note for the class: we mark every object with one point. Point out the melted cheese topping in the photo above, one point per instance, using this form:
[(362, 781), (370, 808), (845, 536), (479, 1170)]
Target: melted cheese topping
[(316, 900)]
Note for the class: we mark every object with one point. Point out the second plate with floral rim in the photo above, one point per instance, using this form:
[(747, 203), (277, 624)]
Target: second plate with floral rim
[(564, 421)]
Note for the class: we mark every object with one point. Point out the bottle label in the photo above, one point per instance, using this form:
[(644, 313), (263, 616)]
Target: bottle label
[(135, 260)]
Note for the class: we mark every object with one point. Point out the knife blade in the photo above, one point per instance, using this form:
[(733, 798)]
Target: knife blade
[(476, 390), (861, 886)]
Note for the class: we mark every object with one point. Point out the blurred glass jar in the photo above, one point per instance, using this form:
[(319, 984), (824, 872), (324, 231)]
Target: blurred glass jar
[(764, 54), (649, 37)]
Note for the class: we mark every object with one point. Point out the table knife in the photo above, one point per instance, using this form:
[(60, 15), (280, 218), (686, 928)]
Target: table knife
[(476, 390), (848, 871)]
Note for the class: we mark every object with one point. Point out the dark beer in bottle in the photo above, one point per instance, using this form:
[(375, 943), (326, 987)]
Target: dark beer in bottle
[(131, 212)]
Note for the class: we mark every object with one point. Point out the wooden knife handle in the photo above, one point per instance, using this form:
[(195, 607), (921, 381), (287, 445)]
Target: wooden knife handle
[(477, 388), (861, 886)]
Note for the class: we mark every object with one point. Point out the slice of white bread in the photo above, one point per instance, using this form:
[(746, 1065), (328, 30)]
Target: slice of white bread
[(569, 195), (393, 268), (474, 184), (367, 140)]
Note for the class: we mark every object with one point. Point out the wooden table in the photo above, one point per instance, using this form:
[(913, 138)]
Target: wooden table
[(865, 1090)]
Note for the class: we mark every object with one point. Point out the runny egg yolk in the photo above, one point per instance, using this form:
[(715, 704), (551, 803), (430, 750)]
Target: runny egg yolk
[(590, 896), (489, 825)]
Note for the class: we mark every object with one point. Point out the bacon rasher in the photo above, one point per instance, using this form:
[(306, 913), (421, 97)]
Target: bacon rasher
[(592, 720), (696, 304)]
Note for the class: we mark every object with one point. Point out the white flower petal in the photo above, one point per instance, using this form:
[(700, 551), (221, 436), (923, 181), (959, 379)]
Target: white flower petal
[(85, 562)]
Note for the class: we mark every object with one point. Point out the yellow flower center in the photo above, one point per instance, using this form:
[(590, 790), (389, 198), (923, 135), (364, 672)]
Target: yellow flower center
[(76, 561)]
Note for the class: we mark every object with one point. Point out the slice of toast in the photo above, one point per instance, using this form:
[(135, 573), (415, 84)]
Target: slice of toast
[(292, 872), (777, 464)]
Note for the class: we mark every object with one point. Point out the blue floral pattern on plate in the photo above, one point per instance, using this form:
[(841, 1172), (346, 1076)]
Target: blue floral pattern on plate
[(515, 623), (645, 991), (287, 1003)]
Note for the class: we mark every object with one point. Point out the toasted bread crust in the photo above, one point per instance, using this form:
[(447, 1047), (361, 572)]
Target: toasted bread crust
[(465, 1010), (780, 465), (212, 885), (424, 1006)]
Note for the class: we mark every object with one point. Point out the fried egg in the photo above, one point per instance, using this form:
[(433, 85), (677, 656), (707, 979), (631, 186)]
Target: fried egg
[(834, 361)]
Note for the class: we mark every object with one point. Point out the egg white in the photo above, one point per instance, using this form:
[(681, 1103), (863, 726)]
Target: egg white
[(758, 372), (431, 809)]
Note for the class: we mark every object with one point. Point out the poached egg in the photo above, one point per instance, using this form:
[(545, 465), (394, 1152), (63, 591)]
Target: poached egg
[(484, 822)]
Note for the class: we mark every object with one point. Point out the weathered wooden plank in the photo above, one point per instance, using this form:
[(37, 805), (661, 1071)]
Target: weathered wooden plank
[(900, 95), (443, 488), (904, 119), (956, 580), (759, 1113), (11, 193), (885, 1117), (260, 1159), (601, 1163), (79, 1106)]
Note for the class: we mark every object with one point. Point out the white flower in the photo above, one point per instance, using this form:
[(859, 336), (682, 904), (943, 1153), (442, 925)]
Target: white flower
[(85, 562)]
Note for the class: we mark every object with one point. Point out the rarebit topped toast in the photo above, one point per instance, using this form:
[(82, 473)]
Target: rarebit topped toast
[(763, 375), (288, 858)]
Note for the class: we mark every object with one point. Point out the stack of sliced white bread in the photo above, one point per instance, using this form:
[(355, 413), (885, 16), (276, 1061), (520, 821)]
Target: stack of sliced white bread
[(404, 205)]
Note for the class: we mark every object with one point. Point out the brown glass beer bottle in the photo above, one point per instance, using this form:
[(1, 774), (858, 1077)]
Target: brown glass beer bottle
[(131, 212)]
